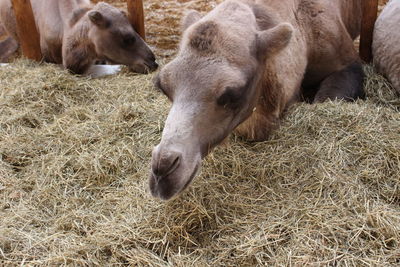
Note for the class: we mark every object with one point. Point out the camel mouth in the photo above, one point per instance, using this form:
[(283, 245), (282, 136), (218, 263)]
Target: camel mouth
[(151, 66), (168, 187), (189, 181), (144, 68), (141, 68)]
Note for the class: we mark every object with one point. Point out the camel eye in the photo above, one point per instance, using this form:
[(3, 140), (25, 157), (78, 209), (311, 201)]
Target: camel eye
[(231, 98), (128, 40)]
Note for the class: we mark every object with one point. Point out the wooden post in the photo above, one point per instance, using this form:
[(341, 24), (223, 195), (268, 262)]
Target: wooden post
[(370, 13), (136, 16), (26, 29)]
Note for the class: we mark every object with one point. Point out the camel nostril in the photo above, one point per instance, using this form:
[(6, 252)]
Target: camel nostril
[(151, 57), (152, 65), (165, 164), (155, 65)]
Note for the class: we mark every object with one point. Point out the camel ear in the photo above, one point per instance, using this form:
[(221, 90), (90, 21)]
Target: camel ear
[(124, 13), (274, 40), (190, 18), (98, 19)]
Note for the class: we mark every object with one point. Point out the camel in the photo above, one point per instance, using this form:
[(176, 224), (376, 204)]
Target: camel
[(385, 47), (76, 33), (241, 66)]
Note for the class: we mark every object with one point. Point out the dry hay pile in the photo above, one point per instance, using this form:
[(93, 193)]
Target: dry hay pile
[(75, 154)]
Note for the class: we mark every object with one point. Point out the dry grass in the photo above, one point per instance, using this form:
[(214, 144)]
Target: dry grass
[(74, 160), (325, 190)]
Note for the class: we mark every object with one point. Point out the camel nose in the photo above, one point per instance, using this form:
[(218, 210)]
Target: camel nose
[(151, 62), (164, 162), (153, 66)]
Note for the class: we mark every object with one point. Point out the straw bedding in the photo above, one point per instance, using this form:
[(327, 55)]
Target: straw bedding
[(74, 163)]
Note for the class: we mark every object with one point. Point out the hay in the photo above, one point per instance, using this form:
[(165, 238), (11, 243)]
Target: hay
[(75, 154)]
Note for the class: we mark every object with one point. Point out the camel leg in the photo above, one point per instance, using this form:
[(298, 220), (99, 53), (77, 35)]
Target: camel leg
[(346, 84)]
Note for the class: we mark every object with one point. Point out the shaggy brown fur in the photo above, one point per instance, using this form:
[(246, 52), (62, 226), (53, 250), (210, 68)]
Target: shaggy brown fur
[(203, 37)]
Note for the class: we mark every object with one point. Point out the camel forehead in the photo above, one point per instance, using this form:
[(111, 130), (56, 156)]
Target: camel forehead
[(225, 30), (101, 6), (204, 36), (234, 13), (232, 7), (212, 38), (109, 10), (202, 75)]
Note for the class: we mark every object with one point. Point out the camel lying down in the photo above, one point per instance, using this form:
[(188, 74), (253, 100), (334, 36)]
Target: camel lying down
[(75, 33), (241, 66), (386, 43)]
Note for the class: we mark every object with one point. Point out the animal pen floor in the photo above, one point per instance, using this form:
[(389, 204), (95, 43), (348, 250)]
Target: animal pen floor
[(74, 163)]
